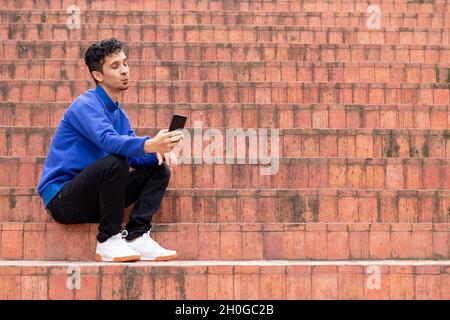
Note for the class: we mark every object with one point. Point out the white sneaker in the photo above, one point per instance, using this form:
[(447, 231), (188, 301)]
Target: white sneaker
[(149, 249), (116, 250)]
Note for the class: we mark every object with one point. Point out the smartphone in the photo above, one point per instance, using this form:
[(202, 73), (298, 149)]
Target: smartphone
[(178, 122)]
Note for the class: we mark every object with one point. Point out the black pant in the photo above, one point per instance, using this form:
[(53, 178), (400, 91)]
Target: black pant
[(102, 190)]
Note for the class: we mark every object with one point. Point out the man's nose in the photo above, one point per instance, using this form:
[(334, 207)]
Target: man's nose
[(124, 70)]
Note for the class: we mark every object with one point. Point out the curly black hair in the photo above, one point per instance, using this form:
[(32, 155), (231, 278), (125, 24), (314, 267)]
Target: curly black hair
[(96, 53)]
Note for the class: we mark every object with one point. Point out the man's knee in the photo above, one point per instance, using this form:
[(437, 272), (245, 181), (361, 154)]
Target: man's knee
[(117, 164)]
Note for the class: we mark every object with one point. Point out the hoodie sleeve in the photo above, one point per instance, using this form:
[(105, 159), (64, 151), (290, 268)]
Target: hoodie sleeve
[(91, 121)]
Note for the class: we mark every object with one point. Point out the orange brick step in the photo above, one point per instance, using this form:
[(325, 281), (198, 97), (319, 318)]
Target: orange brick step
[(293, 173), (159, 50), (363, 143), (310, 241), (339, 19), (246, 5), (285, 71), (234, 92), (236, 115), (225, 33), (266, 206), (258, 280)]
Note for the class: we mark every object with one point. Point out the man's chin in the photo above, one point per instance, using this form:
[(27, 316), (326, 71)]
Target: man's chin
[(124, 87)]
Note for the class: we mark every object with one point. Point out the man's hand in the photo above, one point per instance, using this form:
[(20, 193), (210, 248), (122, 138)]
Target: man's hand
[(170, 157), (163, 142)]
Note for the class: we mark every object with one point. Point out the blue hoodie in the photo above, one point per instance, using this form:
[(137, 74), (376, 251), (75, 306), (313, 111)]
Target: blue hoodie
[(91, 128)]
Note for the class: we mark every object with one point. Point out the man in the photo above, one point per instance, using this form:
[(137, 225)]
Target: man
[(86, 177)]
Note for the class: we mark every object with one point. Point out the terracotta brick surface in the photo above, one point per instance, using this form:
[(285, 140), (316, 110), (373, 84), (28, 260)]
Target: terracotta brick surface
[(329, 241), (364, 162), (324, 283), (253, 281), (322, 173)]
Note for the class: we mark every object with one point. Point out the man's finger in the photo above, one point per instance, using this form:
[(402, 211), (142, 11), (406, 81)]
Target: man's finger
[(173, 159), (177, 133), (160, 159), (176, 138), (168, 160)]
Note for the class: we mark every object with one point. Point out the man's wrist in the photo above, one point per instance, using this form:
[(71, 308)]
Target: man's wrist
[(148, 146)]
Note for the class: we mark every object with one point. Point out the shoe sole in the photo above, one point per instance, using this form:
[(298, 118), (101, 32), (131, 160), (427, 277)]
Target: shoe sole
[(99, 258), (162, 258)]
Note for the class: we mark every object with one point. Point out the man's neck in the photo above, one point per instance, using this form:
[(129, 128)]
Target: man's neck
[(113, 95)]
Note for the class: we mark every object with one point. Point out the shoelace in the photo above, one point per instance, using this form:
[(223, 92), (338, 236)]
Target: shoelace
[(124, 234)]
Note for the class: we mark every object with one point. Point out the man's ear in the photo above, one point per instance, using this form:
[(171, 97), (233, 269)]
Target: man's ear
[(97, 76)]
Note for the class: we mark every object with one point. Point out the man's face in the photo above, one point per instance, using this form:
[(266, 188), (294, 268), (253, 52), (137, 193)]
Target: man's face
[(115, 72)]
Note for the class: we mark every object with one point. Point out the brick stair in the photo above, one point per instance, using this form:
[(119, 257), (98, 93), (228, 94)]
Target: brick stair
[(237, 115), (362, 173), (369, 143), (364, 168), (152, 50), (396, 6), (226, 33), (310, 205), (316, 19), (227, 280), (248, 241), (151, 91), (286, 71)]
